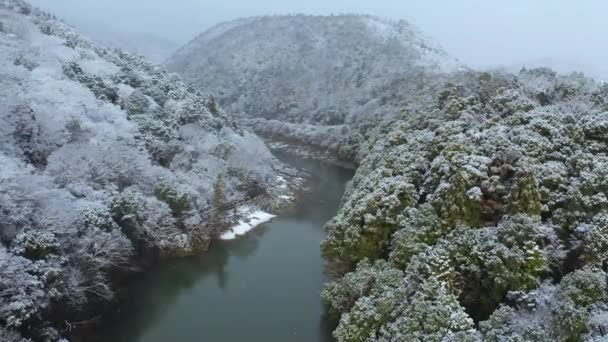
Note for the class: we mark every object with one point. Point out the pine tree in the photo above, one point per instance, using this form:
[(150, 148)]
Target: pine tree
[(219, 197), (213, 106)]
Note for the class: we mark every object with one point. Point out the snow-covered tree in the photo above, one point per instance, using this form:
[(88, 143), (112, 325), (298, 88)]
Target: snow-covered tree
[(105, 159), (495, 197)]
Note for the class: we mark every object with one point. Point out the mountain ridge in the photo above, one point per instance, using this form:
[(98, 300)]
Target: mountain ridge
[(312, 41), (352, 70)]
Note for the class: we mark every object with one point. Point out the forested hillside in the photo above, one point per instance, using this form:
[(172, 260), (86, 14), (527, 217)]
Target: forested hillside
[(483, 219), (105, 160), (478, 211), (349, 72)]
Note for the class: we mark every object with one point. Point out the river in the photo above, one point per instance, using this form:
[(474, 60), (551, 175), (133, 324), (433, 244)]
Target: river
[(261, 287)]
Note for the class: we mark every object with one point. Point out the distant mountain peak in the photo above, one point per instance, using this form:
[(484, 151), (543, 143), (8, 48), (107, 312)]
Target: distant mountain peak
[(298, 67)]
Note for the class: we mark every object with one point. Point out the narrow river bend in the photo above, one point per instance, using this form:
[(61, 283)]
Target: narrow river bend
[(261, 287)]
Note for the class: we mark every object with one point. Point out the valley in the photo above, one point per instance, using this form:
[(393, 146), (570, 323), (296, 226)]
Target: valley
[(295, 177)]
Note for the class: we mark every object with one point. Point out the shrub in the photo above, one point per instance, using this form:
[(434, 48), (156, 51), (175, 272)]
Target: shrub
[(525, 197), (35, 244), (178, 202), (432, 314), (577, 292)]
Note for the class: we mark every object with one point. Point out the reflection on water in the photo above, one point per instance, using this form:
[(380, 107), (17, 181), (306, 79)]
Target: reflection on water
[(262, 287)]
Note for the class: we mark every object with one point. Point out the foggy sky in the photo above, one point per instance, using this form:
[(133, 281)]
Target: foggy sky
[(478, 32)]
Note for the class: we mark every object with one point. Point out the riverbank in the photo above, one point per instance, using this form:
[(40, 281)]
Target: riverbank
[(267, 281), (239, 218), (309, 152), (252, 218)]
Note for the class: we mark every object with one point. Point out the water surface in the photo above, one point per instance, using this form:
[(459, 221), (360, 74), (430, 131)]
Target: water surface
[(261, 287)]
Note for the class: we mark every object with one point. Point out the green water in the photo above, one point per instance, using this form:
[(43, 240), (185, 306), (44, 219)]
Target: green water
[(261, 287)]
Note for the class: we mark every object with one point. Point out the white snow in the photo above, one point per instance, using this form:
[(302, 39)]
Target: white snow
[(99, 67), (431, 52), (282, 183), (252, 220)]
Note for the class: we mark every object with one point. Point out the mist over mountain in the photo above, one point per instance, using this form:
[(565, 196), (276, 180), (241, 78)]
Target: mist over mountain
[(561, 65), (154, 48)]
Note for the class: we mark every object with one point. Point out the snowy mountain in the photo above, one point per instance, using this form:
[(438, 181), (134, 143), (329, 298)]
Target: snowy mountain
[(305, 68), (478, 211), (105, 160), (320, 70)]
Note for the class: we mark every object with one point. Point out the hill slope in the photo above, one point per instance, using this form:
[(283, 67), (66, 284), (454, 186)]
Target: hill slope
[(335, 70), (105, 159), (483, 218)]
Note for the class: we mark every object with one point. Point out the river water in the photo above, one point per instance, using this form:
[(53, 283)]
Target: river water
[(261, 287)]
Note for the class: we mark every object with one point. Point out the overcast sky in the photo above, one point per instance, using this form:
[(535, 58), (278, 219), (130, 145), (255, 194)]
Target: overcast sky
[(478, 32)]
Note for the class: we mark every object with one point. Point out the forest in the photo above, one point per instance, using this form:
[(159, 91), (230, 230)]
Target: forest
[(478, 210)]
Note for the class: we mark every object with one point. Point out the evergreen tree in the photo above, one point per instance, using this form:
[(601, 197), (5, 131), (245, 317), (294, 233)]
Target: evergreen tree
[(219, 198)]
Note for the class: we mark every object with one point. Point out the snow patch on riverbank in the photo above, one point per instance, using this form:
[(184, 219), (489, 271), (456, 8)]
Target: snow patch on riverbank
[(281, 182), (252, 219)]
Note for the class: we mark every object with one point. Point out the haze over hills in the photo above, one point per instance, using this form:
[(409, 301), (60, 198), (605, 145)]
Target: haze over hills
[(154, 48), (561, 65)]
